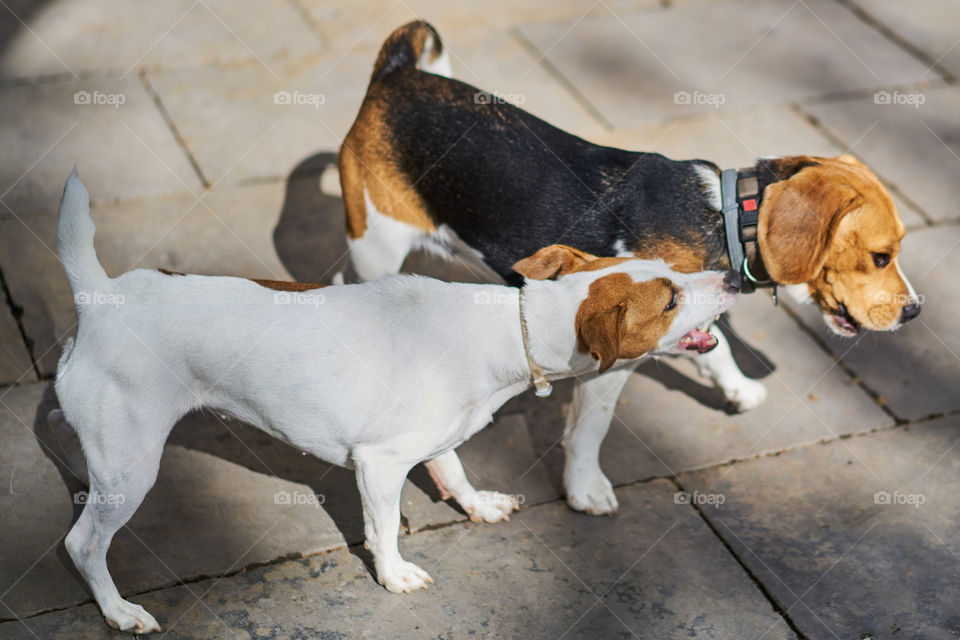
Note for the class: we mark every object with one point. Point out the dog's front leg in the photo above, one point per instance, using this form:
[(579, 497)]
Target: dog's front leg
[(380, 478), (720, 368), (588, 421), (489, 506)]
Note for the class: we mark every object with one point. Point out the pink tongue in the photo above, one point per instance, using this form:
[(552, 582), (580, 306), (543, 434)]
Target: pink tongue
[(698, 340)]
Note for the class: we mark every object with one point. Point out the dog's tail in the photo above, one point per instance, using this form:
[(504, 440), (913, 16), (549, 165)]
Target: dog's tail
[(415, 44), (75, 231)]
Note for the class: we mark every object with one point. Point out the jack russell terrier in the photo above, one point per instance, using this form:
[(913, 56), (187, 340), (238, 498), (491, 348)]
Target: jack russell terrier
[(388, 373), (432, 162)]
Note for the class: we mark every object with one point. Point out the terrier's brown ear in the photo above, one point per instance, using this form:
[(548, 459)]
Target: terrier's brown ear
[(798, 220), (552, 262), (598, 333)]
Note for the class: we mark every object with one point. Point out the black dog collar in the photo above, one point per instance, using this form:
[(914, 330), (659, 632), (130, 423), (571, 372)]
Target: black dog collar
[(740, 200)]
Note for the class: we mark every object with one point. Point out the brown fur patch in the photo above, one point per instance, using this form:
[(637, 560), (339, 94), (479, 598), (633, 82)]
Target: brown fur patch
[(621, 318), (821, 227), (682, 258), (558, 260), (366, 162), (278, 285), (282, 285)]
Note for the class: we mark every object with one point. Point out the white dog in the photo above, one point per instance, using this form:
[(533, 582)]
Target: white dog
[(377, 376)]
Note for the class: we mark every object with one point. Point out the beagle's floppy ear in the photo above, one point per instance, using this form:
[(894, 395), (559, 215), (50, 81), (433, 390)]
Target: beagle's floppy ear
[(798, 220), (598, 333), (553, 261)]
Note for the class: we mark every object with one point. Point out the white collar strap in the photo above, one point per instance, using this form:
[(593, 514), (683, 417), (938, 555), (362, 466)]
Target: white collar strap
[(540, 382)]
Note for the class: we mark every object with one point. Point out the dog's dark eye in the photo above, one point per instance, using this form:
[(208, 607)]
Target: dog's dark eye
[(881, 259), (673, 301)]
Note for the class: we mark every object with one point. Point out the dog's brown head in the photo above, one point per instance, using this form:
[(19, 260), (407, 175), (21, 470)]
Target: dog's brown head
[(830, 224), (636, 306)]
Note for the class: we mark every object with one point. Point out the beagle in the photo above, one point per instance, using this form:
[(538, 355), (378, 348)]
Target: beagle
[(435, 163), (388, 374)]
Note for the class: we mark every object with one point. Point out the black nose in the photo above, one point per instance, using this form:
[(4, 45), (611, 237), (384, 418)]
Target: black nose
[(910, 312), (731, 281)]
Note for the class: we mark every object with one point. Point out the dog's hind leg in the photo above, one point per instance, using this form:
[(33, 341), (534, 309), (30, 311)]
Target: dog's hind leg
[(380, 479), (123, 457), (383, 247), (719, 367), (489, 506)]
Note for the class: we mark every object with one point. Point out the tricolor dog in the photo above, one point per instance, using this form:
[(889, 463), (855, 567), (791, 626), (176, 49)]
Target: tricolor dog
[(377, 376), (431, 162)]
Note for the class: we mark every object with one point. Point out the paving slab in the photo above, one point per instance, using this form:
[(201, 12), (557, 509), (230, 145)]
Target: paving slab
[(204, 516), (653, 571), (229, 232), (913, 145), (914, 369), (345, 23), (929, 26), (120, 37), (15, 364), (698, 55), (736, 140), (243, 121), (856, 538), (109, 128), (668, 419)]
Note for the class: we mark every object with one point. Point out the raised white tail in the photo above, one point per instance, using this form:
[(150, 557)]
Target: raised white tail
[(75, 230)]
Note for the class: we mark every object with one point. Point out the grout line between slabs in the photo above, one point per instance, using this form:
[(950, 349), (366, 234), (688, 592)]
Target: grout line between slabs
[(895, 38), (759, 584), (558, 76), (145, 81), (17, 312)]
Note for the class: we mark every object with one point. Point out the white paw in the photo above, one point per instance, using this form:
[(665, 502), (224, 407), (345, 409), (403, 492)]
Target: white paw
[(126, 616), (491, 506), (750, 394), (400, 576), (594, 496)]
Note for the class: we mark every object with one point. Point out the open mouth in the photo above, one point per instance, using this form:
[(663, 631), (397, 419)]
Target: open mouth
[(699, 340), (843, 322)]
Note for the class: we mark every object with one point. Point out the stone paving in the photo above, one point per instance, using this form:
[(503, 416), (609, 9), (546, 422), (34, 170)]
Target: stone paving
[(828, 512)]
